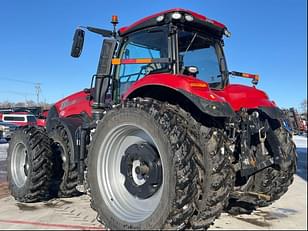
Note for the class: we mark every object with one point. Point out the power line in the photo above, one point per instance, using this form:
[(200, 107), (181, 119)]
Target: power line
[(19, 81), (16, 93), (37, 86)]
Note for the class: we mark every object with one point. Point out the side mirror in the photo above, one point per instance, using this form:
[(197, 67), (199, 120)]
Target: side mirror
[(77, 43)]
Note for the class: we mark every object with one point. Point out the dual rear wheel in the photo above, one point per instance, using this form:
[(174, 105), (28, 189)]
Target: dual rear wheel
[(151, 165), (148, 169)]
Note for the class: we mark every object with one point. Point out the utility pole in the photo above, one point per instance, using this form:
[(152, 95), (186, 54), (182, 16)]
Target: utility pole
[(38, 91)]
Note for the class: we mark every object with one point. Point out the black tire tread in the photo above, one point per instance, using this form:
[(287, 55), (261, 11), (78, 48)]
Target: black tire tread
[(69, 179), (218, 171), (271, 181), (40, 176), (175, 127)]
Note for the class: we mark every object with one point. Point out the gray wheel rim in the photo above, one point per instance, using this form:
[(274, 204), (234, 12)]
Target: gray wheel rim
[(111, 182), (19, 164)]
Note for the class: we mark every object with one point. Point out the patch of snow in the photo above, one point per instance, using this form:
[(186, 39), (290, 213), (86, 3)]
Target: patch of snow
[(300, 141)]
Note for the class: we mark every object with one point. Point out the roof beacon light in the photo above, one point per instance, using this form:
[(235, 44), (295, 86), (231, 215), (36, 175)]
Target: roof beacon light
[(114, 20), (189, 18), (176, 16), (160, 18)]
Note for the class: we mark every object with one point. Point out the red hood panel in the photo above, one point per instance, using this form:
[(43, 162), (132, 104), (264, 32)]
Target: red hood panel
[(74, 104)]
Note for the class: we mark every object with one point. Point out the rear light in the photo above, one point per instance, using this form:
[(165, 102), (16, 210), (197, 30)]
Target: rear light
[(160, 18), (193, 69), (189, 18), (227, 33), (176, 16)]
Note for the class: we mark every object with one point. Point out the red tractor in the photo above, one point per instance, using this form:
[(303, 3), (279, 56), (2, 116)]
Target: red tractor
[(161, 139)]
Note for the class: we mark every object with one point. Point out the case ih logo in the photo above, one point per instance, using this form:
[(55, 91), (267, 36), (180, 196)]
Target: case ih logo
[(67, 103)]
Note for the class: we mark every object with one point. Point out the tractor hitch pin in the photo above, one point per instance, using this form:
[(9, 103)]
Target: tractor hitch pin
[(262, 140)]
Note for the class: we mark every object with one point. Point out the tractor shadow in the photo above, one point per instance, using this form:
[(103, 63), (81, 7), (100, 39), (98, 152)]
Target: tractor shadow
[(263, 218)]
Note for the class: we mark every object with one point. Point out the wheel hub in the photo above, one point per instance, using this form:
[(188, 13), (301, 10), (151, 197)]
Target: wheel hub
[(142, 170)]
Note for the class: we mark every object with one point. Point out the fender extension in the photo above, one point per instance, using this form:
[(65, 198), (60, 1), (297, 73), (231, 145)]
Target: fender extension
[(71, 126), (212, 108), (272, 112)]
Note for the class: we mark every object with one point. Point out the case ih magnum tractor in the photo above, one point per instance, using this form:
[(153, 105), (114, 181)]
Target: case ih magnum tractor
[(161, 139)]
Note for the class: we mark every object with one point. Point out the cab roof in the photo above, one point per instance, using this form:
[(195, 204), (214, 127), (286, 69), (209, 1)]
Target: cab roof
[(198, 21)]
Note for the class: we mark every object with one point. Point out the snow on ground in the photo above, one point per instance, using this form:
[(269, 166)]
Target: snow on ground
[(301, 149), (300, 141), (3, 148)]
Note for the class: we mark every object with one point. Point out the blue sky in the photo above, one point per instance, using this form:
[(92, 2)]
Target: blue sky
[(269, 37)]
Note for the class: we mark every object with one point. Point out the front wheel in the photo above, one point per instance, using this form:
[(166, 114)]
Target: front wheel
[(141, 171)]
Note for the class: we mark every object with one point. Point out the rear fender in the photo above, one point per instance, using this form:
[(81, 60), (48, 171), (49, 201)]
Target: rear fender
[(180, 88)]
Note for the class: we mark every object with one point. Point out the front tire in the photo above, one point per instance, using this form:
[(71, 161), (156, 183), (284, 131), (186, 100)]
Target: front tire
[(118, 193), (29, 165)]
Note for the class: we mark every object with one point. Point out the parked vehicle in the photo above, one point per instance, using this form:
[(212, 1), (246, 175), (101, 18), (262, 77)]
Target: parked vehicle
[(20, 119), (41, 119), (7, 129), (162, 140)]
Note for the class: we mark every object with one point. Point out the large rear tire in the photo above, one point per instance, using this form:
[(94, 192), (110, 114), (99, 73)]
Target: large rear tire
[(142, 135), (30, 165), (65, 174), (216, 176), (272, 181)]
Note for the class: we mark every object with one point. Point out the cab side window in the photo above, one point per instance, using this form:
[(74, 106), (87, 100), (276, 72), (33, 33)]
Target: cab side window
[(147, 44)]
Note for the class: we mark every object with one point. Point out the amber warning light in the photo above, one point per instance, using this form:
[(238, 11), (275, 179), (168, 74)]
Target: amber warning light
[(114, 20)]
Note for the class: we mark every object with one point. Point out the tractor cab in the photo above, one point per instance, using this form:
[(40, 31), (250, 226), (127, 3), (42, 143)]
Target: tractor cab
[(178, 42), (176, 49)]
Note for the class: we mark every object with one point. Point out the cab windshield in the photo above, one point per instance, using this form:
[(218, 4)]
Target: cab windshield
[(196, 50)]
